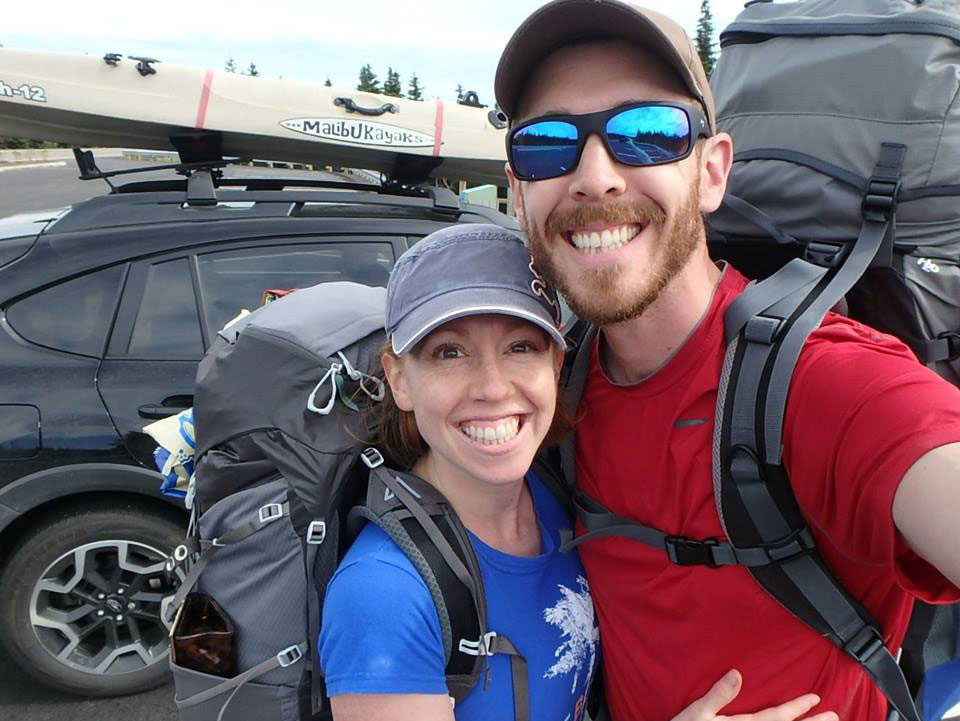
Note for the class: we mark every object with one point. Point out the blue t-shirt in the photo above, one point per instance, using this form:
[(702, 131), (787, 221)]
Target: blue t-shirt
[(381, 633)]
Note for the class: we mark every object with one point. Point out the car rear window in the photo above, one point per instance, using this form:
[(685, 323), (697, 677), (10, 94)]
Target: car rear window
[(234, 280), (73, 316)]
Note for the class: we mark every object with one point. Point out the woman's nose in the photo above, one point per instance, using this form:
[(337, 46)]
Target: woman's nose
[(491, 381)]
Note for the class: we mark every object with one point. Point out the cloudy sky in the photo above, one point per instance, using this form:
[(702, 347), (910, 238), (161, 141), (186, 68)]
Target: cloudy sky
[(444, 43)]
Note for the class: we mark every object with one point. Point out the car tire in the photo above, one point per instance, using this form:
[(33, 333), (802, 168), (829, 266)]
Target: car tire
[(81, 599)]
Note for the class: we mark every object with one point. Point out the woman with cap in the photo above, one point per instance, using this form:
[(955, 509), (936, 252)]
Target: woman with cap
[(472, 364)]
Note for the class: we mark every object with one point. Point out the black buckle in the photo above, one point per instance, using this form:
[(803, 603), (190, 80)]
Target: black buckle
[(952, 339), (824, 254), (864, 644), (686, 552), (880, 198)]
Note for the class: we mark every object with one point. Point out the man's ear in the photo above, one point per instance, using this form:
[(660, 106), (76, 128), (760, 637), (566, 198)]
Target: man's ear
[(515, 191), (716, 158), (397, 379)]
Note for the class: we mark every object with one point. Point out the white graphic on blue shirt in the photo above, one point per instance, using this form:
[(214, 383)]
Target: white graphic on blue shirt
[(573, 614)]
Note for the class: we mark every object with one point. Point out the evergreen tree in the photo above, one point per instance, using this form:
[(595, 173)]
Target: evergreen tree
[(252, 70), (459, 92), (368, 80), (392, 86), (231, 66), (327, 82), (415, 90), (705, 47)]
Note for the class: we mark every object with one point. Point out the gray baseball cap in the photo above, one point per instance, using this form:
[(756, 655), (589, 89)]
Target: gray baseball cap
[(562, 22), (466, 269)]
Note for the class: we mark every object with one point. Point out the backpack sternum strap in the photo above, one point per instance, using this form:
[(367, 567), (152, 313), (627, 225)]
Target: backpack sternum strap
[(603, 523)]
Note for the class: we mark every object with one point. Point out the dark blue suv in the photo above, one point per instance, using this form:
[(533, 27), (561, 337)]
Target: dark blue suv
[(106, 308)]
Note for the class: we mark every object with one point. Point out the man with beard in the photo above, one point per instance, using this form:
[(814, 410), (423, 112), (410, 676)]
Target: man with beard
[(613, 159)]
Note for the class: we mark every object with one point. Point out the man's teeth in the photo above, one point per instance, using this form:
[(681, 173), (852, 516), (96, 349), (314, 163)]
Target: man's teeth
[(492, 435), (609, 239)]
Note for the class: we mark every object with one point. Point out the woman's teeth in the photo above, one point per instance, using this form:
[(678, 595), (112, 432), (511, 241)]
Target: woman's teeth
[(609, 239), (495, 434)]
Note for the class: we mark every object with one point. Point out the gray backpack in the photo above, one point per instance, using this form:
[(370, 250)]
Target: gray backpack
[(845, 116), (283, 484)]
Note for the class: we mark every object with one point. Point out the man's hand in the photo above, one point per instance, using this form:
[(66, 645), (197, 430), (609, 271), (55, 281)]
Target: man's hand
[(926, 509), (726, 689)]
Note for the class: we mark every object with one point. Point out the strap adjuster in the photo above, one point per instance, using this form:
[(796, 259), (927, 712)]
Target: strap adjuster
[(864, 644), (371, 458), (686, 552), (316, 532), (270, 512), (480, 647), (824, 253), (289, 656), (880, 195)]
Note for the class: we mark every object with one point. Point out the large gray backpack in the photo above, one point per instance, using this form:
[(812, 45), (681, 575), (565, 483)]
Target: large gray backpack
[(283, 484), (845, 116)]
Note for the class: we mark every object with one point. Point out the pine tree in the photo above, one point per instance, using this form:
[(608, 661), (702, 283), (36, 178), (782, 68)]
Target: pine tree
[(705, 48), (252, 70), (415, 89), (368, 80), (327, 82), (459, 92), (392, 86), (231, 66)]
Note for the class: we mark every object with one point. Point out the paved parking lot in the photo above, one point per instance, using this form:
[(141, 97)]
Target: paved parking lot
[(23, 699)]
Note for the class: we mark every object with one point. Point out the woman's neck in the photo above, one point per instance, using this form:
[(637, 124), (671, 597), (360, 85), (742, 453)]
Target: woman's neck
[(499, 514)]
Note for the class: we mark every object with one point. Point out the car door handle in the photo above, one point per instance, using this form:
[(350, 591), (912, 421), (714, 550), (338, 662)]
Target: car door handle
[(168, 407)]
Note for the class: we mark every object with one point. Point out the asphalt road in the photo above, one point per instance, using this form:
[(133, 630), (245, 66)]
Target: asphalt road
[(55, 185), (23, 699), (25, 189)]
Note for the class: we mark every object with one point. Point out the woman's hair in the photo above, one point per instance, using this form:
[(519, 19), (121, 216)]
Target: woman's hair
[(397, 436)]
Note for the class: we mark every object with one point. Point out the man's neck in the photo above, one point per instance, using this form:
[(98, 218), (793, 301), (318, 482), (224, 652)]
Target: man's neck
[(636, 348)]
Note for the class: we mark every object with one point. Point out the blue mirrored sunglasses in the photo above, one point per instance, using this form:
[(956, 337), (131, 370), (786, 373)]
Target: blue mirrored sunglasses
[(637, 134)]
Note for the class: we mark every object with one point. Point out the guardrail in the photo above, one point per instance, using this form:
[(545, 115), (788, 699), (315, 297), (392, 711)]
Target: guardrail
[(15, 156)]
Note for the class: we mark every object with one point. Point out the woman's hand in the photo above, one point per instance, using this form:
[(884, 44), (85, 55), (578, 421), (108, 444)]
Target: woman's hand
[(707, 708)]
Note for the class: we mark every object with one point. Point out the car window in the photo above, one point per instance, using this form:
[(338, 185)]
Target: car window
[(167, 321), (234, 280), (71, 316)]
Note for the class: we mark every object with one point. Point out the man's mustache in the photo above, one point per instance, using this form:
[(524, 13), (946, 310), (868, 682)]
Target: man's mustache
[(644, 213)]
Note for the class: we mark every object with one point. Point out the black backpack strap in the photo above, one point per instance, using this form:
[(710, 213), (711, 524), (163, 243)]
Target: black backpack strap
[(754, 496), (423, 524), (573, 379)]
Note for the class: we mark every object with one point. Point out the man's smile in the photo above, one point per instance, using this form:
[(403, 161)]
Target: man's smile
[(601, 241)]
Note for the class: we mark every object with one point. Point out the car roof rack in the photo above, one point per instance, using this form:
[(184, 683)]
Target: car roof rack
[(204, 173)]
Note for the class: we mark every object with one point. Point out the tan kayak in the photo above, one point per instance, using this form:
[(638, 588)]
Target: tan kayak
[(122, 101)]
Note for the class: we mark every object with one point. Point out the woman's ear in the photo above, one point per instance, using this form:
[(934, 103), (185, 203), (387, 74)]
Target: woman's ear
[(558, 356), (397, 379)]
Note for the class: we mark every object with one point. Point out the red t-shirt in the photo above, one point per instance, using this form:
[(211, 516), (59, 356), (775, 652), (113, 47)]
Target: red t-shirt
[(860, 412)]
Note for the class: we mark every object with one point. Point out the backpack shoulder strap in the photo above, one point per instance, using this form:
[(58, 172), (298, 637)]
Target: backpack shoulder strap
[(425, 527), (573, 379), (766, 328)]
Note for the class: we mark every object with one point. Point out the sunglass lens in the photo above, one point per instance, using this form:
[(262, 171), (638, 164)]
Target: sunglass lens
[(544, 150), (649, 135)]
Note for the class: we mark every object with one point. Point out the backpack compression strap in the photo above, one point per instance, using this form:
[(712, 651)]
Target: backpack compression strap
[(422, 523)]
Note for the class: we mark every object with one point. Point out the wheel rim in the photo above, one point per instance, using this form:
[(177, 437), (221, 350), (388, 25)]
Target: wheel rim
[(96, 609)]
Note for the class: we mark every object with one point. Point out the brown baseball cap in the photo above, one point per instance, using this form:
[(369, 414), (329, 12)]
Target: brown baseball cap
[(562, 22)]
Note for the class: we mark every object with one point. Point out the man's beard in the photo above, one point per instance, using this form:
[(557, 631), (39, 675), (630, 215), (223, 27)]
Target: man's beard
[(598, 295)]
